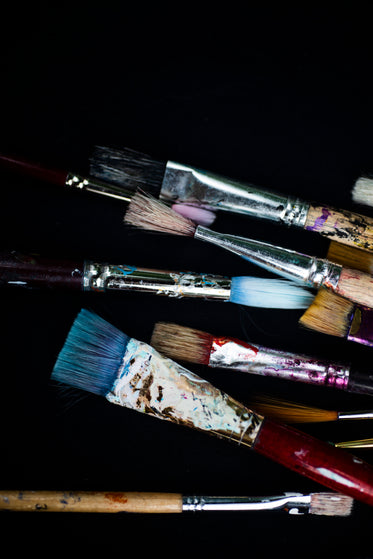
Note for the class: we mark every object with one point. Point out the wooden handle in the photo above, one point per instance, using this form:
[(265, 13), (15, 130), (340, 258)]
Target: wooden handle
[(351, 257), (90, 501), (356, 286), (346, 227)]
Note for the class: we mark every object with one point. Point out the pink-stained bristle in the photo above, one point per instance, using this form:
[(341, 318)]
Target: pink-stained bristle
[(150, 214), (198, 215)]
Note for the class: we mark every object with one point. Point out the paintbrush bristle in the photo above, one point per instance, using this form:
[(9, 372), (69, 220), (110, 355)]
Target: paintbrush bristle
[(269, 293), (350, 256), (92, 354), (362, 191), (329, 314), (331, 504), (182, 343), (146, 212), (290, 412)]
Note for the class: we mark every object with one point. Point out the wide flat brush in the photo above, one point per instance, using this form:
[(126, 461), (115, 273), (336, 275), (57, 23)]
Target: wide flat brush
[(336, 316), (196, 346), (88, 183), (179, 183), (97, 357), (362, 191), (32, 271), (320, 504), (147, 213)]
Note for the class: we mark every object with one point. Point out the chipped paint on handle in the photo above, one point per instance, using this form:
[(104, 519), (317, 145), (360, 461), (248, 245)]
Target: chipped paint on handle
[(152, 384)]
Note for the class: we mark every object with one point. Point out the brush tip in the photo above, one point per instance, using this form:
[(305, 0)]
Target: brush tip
[(269, 293), (182, 343), (198, 215), (329, 314), (331, 504), (362, 191)]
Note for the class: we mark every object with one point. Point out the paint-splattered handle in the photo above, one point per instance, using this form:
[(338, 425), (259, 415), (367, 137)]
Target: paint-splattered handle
[(335, 468), (343, 226), (90, 501)]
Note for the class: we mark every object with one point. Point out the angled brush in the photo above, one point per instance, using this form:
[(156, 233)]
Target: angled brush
[(196, 346), (320, 504), (336, 316), (179, 183), (147, 213), (32, 271), (97, 357)]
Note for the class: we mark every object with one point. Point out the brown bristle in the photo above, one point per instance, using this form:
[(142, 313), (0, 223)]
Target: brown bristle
[(331, 504), (351, 257), (146, 212), (182, 343), (328, 313), (290, 412)]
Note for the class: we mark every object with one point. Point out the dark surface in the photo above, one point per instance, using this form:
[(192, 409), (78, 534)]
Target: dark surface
[(276, 97)]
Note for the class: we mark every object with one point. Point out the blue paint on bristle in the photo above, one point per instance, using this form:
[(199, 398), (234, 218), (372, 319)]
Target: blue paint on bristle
[(92, 354), (269, 293)]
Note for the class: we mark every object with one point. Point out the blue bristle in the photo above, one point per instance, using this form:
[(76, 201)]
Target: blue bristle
[(91, 355), (269, 293)]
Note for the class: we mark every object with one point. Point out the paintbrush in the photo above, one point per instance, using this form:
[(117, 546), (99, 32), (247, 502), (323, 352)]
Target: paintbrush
[(88, 183), (99, 358), (359, 443), (196, 346), (320, 504), (33, 271), (336, 316), (147, 213), (179, 183), (362, 191)]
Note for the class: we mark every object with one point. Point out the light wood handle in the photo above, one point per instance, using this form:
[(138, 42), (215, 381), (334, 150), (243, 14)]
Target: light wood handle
[(343, 226), (90, 501), (356, 286)]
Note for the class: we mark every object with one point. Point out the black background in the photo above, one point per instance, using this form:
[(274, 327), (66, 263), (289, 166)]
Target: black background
[(280, 97)]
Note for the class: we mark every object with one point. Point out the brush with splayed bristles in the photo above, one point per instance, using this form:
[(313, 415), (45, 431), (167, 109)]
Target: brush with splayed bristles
[(89, 183), (99, 358), (31, 271), (336, 316), (147, 213), (102, 502), (178, 183), (191, 345)]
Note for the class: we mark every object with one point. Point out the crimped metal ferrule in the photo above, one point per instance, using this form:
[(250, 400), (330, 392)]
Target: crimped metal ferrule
[(98, 187), (295, 503), (184, 184), (109, 277)]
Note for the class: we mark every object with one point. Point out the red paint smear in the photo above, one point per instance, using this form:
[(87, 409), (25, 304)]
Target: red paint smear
[(222, 341), (116, 498)]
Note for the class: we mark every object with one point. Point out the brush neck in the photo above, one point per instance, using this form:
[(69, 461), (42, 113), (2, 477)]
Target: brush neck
[(289, 264), (109, 277), (188, 185), (297, 503)]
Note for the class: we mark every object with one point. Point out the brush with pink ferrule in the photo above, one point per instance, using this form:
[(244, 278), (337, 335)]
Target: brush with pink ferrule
[(145, 212)]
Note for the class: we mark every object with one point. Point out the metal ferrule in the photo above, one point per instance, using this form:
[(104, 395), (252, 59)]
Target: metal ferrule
[(98, 187), (356, 415), (227, 353), (192, 186), (109, 277), (290, 264), (294, 503)]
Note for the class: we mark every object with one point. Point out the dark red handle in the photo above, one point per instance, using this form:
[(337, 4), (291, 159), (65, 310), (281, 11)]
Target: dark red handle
[(31, 169), (333, 467), (31, 271)]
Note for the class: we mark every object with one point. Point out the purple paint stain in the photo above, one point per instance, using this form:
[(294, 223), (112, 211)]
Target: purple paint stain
[(320, 221)]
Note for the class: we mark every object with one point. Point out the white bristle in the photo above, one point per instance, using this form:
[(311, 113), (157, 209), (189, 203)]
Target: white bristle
[(331, 504), (362, 191), (269, 293), (148, 213)]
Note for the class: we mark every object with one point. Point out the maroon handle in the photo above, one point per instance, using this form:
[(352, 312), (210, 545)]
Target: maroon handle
[(335, 468), (29, 271), (31, 169)]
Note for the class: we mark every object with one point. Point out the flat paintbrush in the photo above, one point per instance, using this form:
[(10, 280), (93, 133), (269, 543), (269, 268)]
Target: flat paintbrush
[(178, 183), (150, 214), (320, 504), (362, 191), (33, 271), (98, 357), (196, 346), (336, 316)]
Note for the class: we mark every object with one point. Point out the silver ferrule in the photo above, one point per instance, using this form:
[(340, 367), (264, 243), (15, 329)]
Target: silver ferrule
[(290, 264), (356, 415), (109, 277), (295, 503), (184, 184), (98, 187), (230, 354)]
